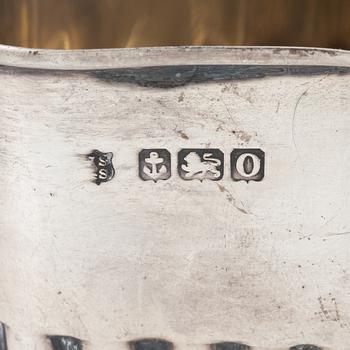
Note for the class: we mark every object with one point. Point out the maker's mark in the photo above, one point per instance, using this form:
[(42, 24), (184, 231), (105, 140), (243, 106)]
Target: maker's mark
[(103, 164)]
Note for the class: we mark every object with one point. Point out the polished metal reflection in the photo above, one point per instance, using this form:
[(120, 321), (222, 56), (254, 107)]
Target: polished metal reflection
[(134, 23)]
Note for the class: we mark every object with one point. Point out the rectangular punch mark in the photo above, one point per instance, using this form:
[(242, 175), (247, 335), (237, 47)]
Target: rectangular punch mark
[(3, 341), (65, 343), (305, 347), (151, 344), (229, 346)]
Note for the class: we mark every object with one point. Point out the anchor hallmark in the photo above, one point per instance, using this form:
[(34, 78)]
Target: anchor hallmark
[(154, 164)]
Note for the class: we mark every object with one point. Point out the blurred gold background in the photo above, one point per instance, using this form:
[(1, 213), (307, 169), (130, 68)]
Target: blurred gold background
[(133, 23)]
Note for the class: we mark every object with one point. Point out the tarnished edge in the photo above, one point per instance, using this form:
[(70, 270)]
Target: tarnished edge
[(167, 77), (173, 76), (170, 56)]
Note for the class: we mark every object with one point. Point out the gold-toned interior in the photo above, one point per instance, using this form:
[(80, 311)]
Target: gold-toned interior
[(76, 24)]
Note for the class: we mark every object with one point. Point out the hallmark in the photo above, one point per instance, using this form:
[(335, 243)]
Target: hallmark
[(154, 164), (104, 166), (201, 164), (247, 164)]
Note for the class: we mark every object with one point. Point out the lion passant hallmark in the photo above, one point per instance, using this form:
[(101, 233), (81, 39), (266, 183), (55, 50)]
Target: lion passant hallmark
[(154, 164), (201, 164)]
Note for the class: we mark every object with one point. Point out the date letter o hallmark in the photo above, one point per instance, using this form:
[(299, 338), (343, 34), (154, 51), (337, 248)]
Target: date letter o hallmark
[(247, 164)]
